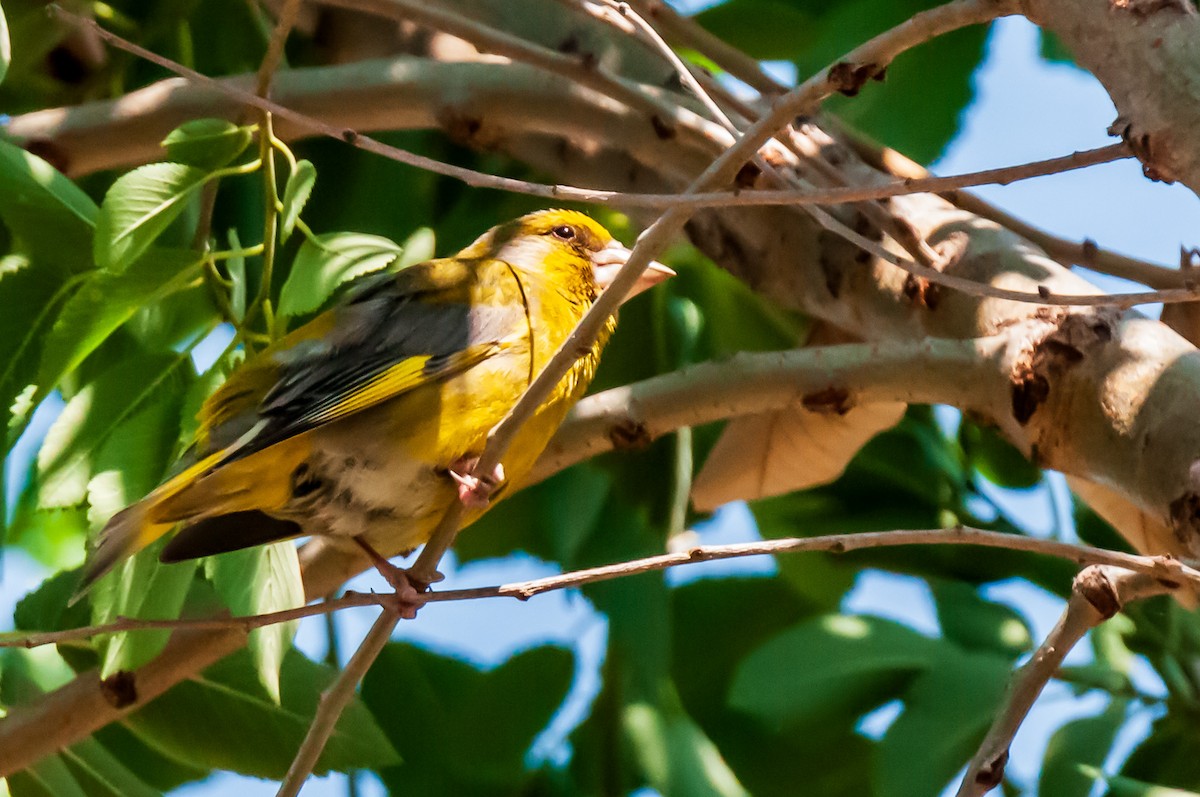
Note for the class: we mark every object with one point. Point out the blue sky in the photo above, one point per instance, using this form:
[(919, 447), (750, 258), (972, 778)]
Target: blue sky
[(1025, 109)]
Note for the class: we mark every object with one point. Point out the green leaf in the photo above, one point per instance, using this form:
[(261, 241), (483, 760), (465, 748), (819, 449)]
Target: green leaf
[(106, 301), (151, 766), (827, 759), (1120, 786), (30, 294), (258, 581), (139, 207), (50, 777), (996, 458), (828, 667), (450, 701), (1168, 755), (947, 711), (674, 754), (550, 520), (978, 624), (5, 46), (129, 464), (764, 29), (51, 216), (101, 773), (236, 267), (207, 143), (335, 258), (295, 195), (230, 722), (64, 462), (45, 609), (1052, 50), (1076, 748)]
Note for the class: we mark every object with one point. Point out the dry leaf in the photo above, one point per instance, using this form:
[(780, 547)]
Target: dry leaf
[(792, 449)]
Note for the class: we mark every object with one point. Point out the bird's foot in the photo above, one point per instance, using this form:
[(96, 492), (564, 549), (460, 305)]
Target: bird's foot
[(407, 595), (475, 491)]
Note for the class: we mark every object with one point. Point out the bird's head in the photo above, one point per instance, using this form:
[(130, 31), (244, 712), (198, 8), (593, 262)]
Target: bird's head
[(565, 247)]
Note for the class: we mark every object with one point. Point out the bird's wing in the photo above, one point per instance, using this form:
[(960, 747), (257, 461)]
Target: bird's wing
[(396, 333)]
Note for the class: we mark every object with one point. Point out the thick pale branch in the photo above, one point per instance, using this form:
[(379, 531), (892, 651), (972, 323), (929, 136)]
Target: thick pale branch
[(963, 373)]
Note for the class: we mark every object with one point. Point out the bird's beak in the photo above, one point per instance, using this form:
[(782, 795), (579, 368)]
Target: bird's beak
[(608, 261)]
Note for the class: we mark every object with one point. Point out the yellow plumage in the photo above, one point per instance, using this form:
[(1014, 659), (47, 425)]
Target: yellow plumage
[(357, 423)]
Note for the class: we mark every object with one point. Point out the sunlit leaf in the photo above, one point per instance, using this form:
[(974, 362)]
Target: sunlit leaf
[(295, 195), (979, 624), (106, 301), (129, 464), (321, 267), (139, 207), (258, 581), (64, 462), (5, 46), (207, 143)]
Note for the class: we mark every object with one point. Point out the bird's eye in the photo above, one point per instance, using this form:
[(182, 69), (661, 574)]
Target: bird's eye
[(563, 232)]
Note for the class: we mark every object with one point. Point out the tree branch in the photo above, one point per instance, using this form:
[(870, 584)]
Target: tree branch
[(1098, 593), (1168, 571), (335, 699)]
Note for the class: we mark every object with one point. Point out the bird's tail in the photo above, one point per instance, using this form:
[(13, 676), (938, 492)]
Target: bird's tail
[(137, 526)]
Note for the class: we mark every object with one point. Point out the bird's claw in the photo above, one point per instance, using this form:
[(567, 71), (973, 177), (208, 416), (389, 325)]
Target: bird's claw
[(475, 491), (406, 597)]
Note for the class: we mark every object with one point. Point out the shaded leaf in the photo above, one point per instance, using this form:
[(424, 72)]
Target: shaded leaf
[(996, 458), (236, 267), (139, 207), (1167, 756), (232, 723), (947, 711), (295, 194), (50, 215), (258, 581), (1077, 749), (207, 143), (829, 667), (978, 624), (450, 701)]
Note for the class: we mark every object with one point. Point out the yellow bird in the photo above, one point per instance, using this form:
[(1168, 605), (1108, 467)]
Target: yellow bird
[(365, 423)]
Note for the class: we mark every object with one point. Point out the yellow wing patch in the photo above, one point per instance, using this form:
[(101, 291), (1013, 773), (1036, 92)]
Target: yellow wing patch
[(404, 376)]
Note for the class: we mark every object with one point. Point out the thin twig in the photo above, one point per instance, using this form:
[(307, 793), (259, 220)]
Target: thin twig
[(1098, 593), (274, 54), (1160, 568), (334, 700)]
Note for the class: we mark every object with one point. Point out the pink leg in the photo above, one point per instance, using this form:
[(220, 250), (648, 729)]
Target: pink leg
[(407, 595), (475, 491)]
